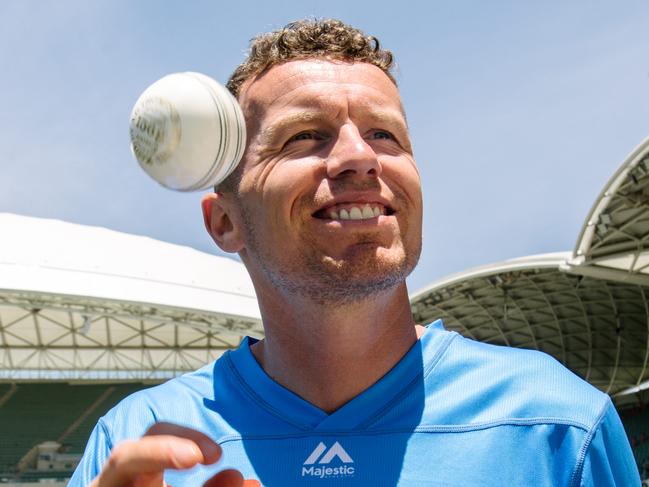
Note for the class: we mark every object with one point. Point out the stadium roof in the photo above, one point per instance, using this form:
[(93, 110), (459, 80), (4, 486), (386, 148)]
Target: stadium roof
[(81, 302), (588, 308), (614, 240), (595, 327)]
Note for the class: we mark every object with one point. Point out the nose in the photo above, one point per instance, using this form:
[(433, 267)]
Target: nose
[(352, 155)]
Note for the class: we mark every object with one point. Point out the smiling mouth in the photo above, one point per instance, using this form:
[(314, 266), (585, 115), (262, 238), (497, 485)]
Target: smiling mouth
[(353, 211)]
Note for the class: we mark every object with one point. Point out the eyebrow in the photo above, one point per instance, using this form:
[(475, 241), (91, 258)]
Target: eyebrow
[(269, 134)]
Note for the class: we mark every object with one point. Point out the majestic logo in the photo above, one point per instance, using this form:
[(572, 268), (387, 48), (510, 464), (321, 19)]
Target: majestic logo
[(318, 463)]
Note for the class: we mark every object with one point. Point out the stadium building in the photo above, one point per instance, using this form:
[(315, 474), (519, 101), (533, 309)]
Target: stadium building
[(587, 308), (89, 315)]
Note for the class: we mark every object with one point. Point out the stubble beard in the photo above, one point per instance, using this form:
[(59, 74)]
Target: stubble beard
[(327, 281)]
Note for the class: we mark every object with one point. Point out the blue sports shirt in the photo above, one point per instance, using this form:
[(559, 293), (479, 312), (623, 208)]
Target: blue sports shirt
[(452, 412)]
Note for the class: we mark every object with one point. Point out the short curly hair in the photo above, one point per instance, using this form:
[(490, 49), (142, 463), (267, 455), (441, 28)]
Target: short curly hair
[(306, 39)]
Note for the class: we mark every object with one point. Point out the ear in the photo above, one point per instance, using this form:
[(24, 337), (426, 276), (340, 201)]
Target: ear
[(218, 216)]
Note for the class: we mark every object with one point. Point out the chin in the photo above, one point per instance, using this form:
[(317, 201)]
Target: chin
[(346, 281), (351, 278)]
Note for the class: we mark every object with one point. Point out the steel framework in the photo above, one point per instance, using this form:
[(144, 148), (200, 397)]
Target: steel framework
[(599, 329), (588, 308), (90, 303), (61, 337), (614, 240)]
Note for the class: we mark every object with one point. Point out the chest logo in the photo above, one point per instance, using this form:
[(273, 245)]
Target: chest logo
[(320, 462)]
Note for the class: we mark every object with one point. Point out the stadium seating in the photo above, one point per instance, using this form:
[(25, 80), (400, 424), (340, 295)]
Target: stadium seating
[(636, 424), (38, 412), (76, 441)]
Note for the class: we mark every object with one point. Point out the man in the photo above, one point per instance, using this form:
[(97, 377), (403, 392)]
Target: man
[(325, 211)]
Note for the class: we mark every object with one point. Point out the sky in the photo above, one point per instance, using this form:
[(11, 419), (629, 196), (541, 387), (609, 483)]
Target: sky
[(519, 112)]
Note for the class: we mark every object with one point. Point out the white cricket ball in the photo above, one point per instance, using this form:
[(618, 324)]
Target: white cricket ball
[(187, 132)]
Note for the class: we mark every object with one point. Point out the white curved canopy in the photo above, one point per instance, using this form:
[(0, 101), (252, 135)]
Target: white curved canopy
[(614, 241), (87, 302), (596, 327), (587, 308)]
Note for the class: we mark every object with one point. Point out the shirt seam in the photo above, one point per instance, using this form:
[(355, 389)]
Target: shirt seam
[(578, 473), (257, 399), (441, 351), (445, 345), (104, 427), (522, 422)]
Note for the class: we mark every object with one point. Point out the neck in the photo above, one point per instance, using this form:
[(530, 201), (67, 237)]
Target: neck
[(330, 353)]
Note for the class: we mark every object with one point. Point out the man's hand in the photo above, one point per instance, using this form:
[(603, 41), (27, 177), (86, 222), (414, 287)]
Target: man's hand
[(141, 463)]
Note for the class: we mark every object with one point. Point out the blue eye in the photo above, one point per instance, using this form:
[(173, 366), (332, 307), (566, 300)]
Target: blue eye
[(382, 135), (304, 136)]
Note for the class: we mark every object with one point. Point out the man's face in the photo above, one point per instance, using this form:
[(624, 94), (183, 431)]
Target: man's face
[(330, 195)]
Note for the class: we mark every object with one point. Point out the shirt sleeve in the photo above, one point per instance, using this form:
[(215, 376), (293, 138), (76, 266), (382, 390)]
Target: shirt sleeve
[(608, 459), (96, 453)]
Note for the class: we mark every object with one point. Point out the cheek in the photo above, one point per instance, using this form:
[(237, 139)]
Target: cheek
[(412, 185), (277, 208), (291, 185), (405, 177)]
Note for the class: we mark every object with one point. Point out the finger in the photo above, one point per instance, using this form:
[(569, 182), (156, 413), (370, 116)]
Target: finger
[(147, 457), (210, 450), (226, 478)]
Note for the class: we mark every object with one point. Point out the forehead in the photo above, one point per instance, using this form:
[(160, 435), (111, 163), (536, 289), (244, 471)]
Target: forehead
[(312, 83)]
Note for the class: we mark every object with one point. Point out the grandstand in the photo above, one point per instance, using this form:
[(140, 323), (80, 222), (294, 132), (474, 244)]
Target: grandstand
[(636, 422), (89, 315), (35, 413), (588, 308)]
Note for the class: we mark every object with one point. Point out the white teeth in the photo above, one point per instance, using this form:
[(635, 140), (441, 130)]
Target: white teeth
[(355, 213)]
